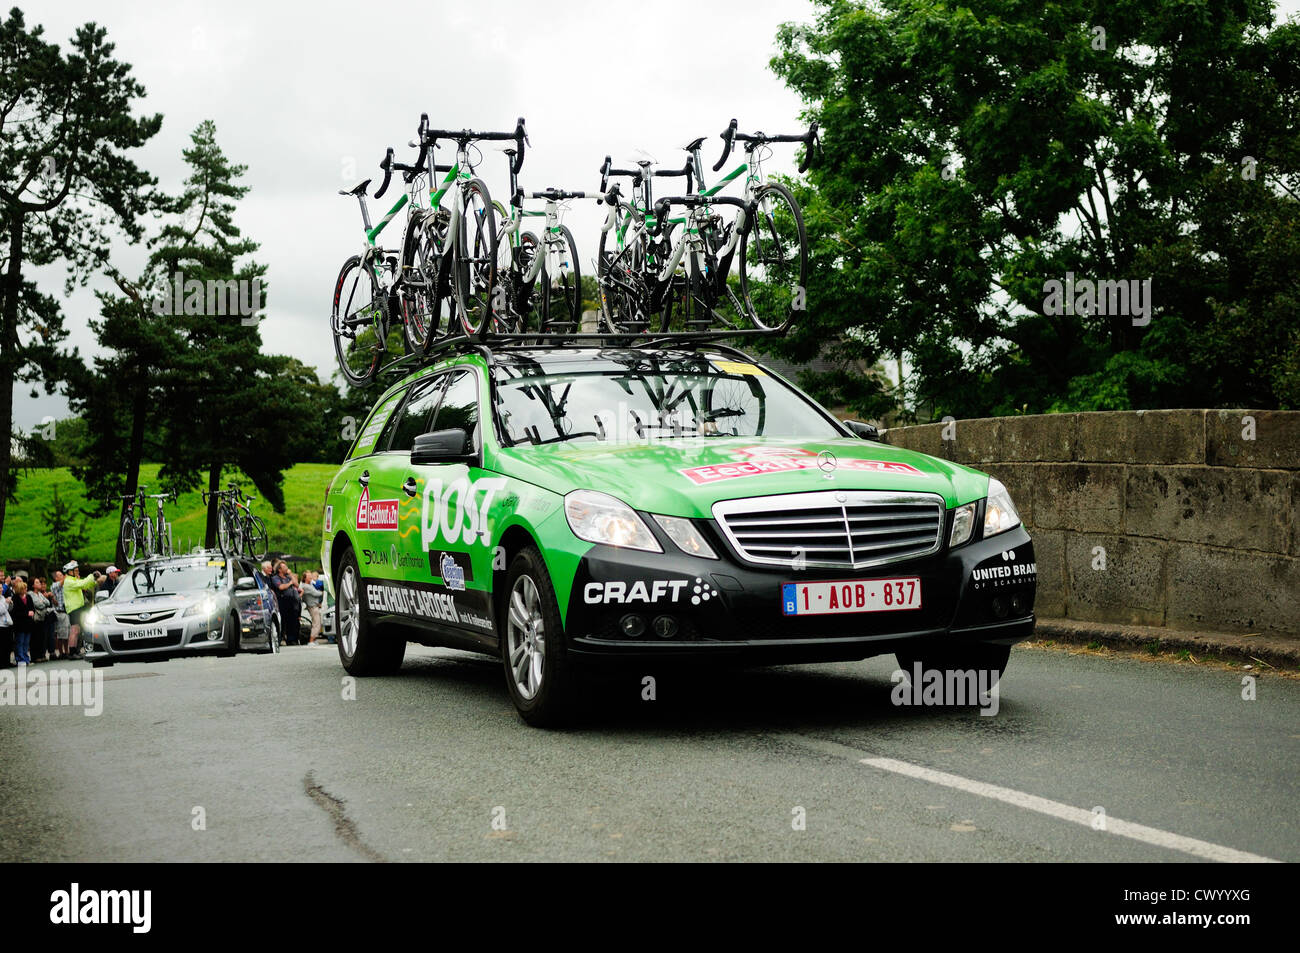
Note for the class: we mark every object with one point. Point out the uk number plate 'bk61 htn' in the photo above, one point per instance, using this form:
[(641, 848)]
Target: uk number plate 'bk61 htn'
[(851, 595), (145, 632)]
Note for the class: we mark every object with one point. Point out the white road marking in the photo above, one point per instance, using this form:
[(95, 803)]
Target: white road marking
[(1031, 802), (1066, 812)]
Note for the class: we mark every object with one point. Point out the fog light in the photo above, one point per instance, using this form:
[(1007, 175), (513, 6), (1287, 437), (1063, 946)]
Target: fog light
[(1017, 605), (213, 636), (665, 626), (633, 626), (999, 607)]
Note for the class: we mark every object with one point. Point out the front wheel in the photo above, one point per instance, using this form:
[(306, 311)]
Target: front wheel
[(538, 672), (230, 644), (422, 259), (358, 322), (255, 541), (561, 284), (227, 533), (774, 260), (127, 539), (364, 648), (273, 638), (478, 292)]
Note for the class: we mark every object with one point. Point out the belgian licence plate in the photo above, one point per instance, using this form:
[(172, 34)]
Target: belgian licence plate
[(851, 595), (145, 632)]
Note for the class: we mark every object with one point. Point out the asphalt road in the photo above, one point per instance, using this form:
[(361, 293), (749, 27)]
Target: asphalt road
[(433, 764)]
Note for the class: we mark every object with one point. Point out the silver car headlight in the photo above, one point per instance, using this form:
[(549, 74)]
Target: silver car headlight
[(207, 607), (601, 518), (999, 512), (684, 534), (963, 524), (92, 616)]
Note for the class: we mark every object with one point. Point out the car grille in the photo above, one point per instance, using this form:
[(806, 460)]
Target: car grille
[(850, 529), (138, 618)]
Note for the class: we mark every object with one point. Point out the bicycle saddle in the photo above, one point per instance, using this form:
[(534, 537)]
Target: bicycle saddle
[(359, 188), (693, 144)]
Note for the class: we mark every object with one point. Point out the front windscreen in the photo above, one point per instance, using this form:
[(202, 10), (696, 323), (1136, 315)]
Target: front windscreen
[(148, 579), (644, 398)]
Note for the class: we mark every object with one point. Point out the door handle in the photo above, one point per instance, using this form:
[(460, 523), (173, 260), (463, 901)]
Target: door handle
[(364, 479), (409, 487)]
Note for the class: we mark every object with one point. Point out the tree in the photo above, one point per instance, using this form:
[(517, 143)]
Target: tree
[(975, 154), (220, 388), (64, 528), (66, 188)]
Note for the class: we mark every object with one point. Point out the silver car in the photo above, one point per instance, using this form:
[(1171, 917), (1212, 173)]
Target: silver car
[(185, 605)]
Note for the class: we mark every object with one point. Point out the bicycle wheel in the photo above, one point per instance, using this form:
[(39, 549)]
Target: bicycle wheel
[(127, 539), (227, 533), (164, 537), (620, 277), (144, 529), (359, 322), (255, 538), (528, 300), (561, 284), (774, 260), (421, 274), (475, 268)]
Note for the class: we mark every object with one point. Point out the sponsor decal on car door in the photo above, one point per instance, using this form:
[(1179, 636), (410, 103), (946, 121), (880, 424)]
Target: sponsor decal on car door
[(454, 541)]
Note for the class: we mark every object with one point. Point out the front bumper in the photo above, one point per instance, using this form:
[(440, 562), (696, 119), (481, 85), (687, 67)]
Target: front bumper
[(724, 609), (182, 636)]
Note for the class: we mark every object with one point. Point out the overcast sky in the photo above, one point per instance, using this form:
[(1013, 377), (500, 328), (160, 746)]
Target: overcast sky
[(309, 95), (304, 93)]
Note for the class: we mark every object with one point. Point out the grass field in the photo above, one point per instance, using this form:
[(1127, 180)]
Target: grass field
[(295, 531)]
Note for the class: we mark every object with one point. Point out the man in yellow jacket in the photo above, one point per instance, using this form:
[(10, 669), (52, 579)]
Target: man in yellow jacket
[(75, 599)]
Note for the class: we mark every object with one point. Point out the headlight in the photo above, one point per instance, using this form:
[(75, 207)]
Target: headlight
[(207, 607), (91, 617), (686, 536), (963, 524), (999, 513), (600, 518)]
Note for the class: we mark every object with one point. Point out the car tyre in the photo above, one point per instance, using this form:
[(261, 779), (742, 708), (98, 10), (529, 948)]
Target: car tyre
[(273, 639), (100, 663), (534, 657), (364, 648), (230, 644)]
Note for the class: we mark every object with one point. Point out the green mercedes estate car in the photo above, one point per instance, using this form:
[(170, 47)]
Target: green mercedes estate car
[(566, 507)]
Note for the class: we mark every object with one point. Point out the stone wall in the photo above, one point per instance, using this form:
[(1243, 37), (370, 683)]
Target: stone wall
[(1183, 518)]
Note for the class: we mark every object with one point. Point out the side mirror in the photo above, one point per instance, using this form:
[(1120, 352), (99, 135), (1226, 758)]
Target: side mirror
[(101, 595), (245, 582), (864, 430), (443, 446)]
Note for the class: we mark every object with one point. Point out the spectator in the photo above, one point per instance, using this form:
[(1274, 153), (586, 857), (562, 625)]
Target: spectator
[(285, 586), (60, 645), (24, 619), (312, 597), (6, 627), (74, 599), (268, 576), (42, 611), (111, 577)]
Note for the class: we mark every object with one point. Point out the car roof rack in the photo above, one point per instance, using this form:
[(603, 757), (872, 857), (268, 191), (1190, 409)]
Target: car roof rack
[(452, 346)]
